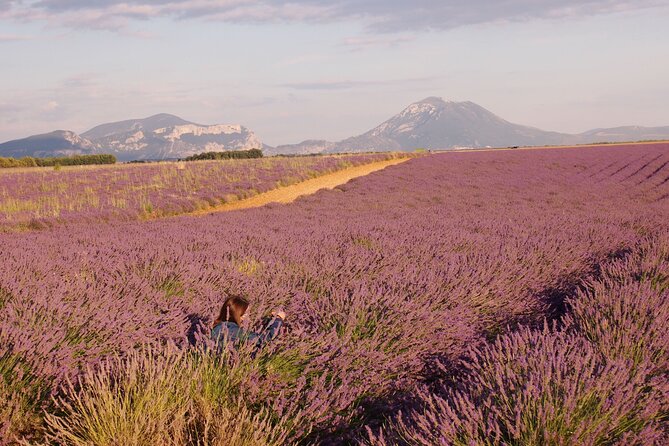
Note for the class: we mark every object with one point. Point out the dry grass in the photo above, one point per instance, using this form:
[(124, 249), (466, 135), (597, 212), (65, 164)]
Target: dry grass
[(163, 396), (145, 191), (289, 192)]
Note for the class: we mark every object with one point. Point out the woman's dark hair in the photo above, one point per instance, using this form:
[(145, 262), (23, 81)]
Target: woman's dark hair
[(232, 310)]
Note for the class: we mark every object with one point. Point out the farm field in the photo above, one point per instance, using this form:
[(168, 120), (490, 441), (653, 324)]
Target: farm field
[(42, 197), (457, 298)]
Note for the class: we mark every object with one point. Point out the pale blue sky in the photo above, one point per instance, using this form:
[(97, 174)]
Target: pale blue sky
[(326, 69)]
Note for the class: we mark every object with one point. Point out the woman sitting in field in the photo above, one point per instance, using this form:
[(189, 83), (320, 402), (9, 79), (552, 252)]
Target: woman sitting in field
[(228, 324)]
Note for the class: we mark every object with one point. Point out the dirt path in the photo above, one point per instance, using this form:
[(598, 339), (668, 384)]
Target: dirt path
[(290, 193)]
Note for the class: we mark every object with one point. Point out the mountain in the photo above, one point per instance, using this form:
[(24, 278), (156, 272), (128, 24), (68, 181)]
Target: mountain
[(431, 123), (166, 136), (623, 134), (303, 148), (437, 124), (161, 136), (58, 143), (131, 125)]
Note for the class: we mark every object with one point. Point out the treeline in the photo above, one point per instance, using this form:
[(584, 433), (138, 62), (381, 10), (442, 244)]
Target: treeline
[(74, 160), (231, 154)]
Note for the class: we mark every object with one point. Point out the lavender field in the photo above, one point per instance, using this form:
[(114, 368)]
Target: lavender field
[(500, 297), (39, 198)]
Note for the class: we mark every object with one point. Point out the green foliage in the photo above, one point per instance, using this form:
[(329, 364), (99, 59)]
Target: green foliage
[(231, 154), (15, 162), (171, 286), (287, 366), (56, 162)]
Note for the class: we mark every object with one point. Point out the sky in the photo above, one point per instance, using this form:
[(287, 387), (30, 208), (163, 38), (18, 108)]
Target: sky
[(317, 69)]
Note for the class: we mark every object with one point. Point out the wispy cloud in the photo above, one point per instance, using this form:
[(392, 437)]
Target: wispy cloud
[(326, 85), (6, 108), (50, 106), (350, 84), (370, 41), (5, 38), (85, 99), (386, 16), (302, 59)]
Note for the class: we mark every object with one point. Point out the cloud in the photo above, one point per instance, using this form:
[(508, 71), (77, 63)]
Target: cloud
[(327, 85), (364, 42), (4, 38), (50, 106), (81, 80), (51, 111), (380, 16), (348, 84), (6, 108), (302, 59)]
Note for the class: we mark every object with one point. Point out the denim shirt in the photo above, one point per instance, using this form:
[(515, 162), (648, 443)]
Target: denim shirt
[(234, 333)]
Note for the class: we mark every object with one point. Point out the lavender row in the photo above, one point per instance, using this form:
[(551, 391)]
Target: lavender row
[(383, 278), (601, 378), (39, 198)]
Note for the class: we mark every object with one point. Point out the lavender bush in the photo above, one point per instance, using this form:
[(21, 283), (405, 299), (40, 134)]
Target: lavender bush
[(390, 283), (542, 388), (626, 313), (597, 377)]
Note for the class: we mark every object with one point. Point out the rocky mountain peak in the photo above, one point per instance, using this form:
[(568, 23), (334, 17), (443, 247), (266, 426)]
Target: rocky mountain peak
[(167, 136)]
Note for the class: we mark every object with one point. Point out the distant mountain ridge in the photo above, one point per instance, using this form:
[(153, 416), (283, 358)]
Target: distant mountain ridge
[(148, 124), (434, 123), (167, 136), (161, 136), (628, 133), (56, 143)]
